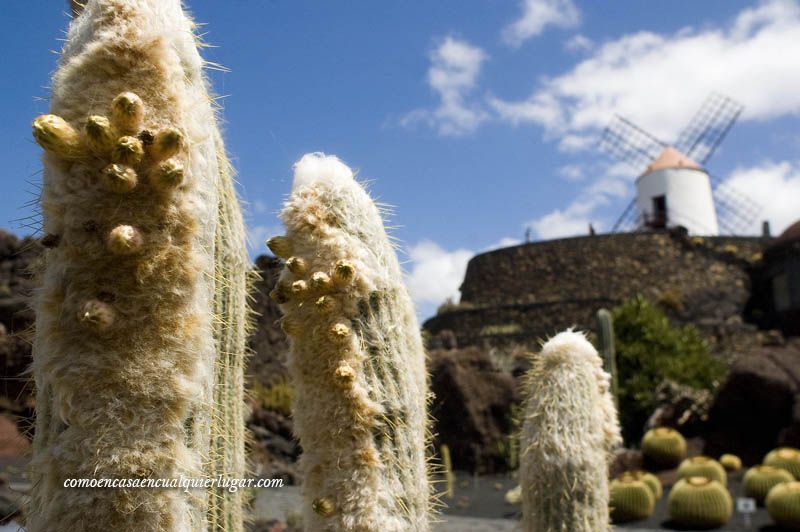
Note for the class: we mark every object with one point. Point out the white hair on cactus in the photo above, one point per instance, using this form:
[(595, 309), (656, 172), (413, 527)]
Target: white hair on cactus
[(317, 167), (569, 428)]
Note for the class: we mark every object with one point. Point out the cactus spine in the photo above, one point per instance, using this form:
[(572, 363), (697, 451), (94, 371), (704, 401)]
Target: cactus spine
[(605, 335), (356, 359), (569, 428), (140, 316)]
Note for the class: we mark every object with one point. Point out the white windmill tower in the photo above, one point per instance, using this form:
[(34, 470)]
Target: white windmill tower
[(675, 189)]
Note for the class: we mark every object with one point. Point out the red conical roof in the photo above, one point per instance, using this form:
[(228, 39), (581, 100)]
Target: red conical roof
[(671, 158)]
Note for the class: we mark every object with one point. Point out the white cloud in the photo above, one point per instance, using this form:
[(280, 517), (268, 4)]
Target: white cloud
[(454, 70), (257, 236), (537, 15), (436, 274), (574, 220), (774, 187), (571, 172), (659, 81), (503, 243), (579, 43)]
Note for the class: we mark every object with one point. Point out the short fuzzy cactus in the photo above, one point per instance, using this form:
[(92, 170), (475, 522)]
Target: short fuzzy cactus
[(650, 480), (141, 313), (663, 447), (700, 502), (783, 505), (356, 358), (758, 480), (630, 500), (703, 466), (569, 428), (787, 458), (730, 462)]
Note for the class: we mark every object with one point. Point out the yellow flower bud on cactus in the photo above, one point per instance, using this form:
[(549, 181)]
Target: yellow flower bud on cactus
[(99, 134), (166, 143), (356, 358), (783, 505), (127, 112), (787, 458), (730, 462), (127, 150), (55, 135), (630, 500), (703, 466), (119, 178), (663, 447), (700, 502), (758, 480)]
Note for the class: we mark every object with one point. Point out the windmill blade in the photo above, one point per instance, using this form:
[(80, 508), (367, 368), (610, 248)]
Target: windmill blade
[(630, 143), (629, 220), (736, 212), (708, 127)]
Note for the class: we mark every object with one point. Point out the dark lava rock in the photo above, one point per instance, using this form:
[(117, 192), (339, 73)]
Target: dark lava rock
[(755, 408), (472, 408)]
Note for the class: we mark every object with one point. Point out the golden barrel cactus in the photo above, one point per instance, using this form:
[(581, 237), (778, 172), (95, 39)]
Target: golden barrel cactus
[(783, 505), (700, 502), (730, 462), (663, 447), (787, 458), (758, 480), (630, 500), (703, 466)]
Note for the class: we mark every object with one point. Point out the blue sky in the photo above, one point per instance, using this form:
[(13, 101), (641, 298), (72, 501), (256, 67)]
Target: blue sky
[(476, 119)]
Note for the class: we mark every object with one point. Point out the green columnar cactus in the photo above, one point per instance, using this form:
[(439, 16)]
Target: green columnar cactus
[(730, 462), (663, 447), (700, 502), (447, 469), (569, 428), (787, 458), (605, 336), (356, 359), (140, 316), (630, 500), (783, 505), (650, 480), (758, 480), (703, 466)]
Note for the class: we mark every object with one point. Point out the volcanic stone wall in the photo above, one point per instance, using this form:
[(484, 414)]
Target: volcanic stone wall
[(522, 293)]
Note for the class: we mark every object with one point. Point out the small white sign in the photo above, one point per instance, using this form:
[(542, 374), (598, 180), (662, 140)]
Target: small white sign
[(745, 505)]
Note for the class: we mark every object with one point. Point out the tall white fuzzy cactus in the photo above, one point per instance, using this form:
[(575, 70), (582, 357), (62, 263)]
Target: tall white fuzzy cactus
[(140, 317), (357, 360), (569, 429)]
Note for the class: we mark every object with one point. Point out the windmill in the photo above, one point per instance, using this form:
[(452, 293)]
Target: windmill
[(675, 188)]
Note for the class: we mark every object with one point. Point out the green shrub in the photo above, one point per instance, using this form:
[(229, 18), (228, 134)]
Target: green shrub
[(651, 350)]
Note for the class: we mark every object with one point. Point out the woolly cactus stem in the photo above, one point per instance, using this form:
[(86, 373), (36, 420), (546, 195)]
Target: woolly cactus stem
[(569, 428), (357, 361), (140, 316)]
